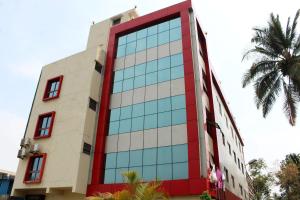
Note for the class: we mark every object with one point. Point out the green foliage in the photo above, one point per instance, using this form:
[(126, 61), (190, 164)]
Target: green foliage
[(205, 196), (289, 177), (135, 190), (262, 181), (277, 66)]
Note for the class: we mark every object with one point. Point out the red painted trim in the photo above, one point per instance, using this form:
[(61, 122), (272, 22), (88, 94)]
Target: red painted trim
[(210, 94), (26, 181), (58, 78), (194, 184), (38, 123), (215, 82)]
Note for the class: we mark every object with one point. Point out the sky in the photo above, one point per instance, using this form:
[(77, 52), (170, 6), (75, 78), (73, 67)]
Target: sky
[(34, 33)]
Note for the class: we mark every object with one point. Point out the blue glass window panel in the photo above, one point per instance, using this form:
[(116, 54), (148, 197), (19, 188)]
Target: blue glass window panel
[(125, 126), (164, 26), (126, 112), (150, 121), (113, 128), (117, 87), (123, 159), (175, 23), (151, 41), (139, 81), (118, 75), (164, 104), (177, 72), (180, 171), (138, 170), (164, 172), (176, 60), (175, 34), (151, 66), (163, 38), (109, 176), (151, 78), (122, 40), (130, 48), (149, 173), (129, 72), (128, 84), (140, 69), (115, 114), (178, 116), (150, 107), (131, 37), (149, 156), (137, 124), (180, 153), (111, 160), (138, 110), (142, 33), (119, 174), (136, 158), (164, 155), (121, 51), (164, 119), (164, 63), (141, 44), (178, 102), (152, 30), (164, 75)]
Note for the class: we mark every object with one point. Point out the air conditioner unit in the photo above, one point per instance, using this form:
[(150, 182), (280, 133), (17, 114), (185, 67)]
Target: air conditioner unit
[(22, 153), (25, 142), (35, 148)]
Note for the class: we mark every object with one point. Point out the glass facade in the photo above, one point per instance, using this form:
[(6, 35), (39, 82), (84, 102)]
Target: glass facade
[(149, 73), (161, 163), (169, 162)]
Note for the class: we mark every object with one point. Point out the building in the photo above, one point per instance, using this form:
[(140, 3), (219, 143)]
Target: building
[(142, 97), (6, 183)]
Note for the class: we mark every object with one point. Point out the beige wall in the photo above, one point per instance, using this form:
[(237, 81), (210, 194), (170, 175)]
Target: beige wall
[(67, 169)]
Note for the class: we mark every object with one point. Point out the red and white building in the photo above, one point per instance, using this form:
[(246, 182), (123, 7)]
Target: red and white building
[(142, 97)]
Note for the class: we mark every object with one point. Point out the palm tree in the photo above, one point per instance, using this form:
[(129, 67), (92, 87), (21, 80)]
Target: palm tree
[(277, 66), (135, 189)]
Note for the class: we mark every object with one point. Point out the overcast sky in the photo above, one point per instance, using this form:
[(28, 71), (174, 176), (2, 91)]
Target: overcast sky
[(34, 33)]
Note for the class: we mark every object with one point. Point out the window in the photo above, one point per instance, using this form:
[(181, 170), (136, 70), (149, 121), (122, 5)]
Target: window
[(87, 148), (234, 155), (98, 66), (226, 174), (35, 168), (226, 121), (220, 107), (92, 104), (223, 139), (44, 125), (242, 166), (149, 37), (232, 180), (116, 21), (239, 163), (53, 88), (231, 131), (229, 148), (241, 189), (163, 163)]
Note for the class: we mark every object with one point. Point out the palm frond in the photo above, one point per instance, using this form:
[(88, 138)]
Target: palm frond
[(289, 105), (263, 85), (294, 25), (271, 96), (261, 67)]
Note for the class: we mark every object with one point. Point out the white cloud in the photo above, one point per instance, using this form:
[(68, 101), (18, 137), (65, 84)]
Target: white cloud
[(31, 69)]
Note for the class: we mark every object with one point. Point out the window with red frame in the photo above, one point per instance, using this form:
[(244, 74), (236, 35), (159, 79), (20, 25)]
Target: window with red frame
[(35, 169), (53, 87), (44, 125)]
